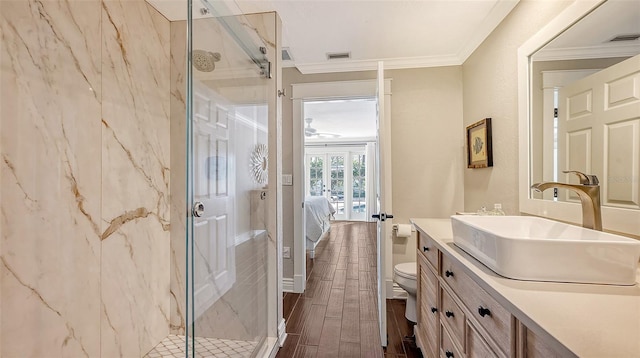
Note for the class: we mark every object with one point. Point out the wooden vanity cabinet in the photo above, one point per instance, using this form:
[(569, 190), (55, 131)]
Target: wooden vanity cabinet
[(427, 306), (533, 346), (456, 318)]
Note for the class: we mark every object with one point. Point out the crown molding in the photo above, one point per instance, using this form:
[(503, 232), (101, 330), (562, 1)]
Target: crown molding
[(582, 53)]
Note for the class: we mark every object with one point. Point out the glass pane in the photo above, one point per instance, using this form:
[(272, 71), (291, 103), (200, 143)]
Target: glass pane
[(316, 179), (228, 127), (359, 186), (337, 183)]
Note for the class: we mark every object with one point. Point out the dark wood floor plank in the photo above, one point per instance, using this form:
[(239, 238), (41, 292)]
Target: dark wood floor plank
[(323, 290), (352, 291), (370, 340), (306, 352), (312, 329), (368, 307), (343, 262), (329, 345), (339, 279), (364, 283), (288, 303), (349, 350), (352, 271), (299, 316), (351, 322), (336, 303), (329, 272), (289, 347), (394, 338)]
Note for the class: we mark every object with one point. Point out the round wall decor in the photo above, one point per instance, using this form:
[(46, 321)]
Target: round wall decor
[(259, 163)]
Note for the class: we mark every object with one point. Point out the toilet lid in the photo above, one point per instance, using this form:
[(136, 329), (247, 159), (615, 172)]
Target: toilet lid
[(407, 270)]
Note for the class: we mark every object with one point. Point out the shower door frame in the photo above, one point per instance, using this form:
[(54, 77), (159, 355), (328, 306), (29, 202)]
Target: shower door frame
[(276, 329)]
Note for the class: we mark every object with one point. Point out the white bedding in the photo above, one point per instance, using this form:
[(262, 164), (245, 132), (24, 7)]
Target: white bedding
[(318, 211)]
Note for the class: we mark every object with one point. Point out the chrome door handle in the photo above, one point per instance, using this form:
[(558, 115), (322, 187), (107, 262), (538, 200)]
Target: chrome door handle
[(198, 209)]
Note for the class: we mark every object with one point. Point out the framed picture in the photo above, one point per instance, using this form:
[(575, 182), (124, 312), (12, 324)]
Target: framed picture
[(479, 153)]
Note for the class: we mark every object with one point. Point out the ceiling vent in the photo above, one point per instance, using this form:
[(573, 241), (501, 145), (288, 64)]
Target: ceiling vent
[(339, 56), (286, 54), (631, 37)]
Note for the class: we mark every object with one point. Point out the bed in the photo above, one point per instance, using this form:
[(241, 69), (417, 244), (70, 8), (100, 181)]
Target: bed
[(318, 213)]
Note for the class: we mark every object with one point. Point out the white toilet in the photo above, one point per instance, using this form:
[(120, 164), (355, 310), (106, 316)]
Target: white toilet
[(405, 276)]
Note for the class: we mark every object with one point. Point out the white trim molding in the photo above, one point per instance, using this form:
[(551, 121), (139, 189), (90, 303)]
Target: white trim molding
[(282, 332), (287, 284), (311, 91)]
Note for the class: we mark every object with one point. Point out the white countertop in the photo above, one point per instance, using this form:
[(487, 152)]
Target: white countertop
[(589, 320)]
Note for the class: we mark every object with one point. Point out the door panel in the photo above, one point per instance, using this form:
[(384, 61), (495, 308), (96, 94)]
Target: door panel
[(601, 109), (384, 202), (214, 271), (336, 185)]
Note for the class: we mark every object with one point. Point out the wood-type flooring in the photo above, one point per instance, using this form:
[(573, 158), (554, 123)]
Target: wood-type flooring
[(336, 316)]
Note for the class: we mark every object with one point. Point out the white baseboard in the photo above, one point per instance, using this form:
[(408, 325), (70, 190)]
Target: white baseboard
[(299, 282), (399, 293), (389, 288), (287, 285), (282, 332)]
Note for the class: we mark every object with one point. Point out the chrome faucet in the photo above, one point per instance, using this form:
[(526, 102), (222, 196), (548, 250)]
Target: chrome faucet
[(589, 192)]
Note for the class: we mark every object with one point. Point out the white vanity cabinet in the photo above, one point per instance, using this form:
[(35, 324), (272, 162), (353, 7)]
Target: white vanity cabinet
[(458, 318)]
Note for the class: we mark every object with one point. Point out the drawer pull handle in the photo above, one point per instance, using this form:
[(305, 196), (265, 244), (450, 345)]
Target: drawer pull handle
[(425, 249), (434, 310), (448, 314), (448, 273), (449, 354), (484, 311)]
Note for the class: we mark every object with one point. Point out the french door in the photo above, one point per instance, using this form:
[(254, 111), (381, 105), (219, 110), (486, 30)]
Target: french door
[(340, 175)]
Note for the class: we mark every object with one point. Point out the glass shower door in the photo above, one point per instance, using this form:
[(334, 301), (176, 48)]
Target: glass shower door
[(227, 162)]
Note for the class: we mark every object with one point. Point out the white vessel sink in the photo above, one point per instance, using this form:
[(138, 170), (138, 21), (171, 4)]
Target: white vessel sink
[(537, 249)]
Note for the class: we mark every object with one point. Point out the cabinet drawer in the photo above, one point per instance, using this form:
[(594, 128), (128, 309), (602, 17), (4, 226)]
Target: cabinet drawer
[(448, 349), (428, 248), (429, 328), (428, 282), (491, 316), (453, 315), (477, 347)]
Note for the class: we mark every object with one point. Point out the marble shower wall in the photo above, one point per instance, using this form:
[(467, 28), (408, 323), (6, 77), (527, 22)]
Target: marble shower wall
[(51, 177), (135, 178), (84, 130)]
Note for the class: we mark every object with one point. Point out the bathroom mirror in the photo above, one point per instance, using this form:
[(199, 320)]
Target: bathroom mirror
[(568, 88)]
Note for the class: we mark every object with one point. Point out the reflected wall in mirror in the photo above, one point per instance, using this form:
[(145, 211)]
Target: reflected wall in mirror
[(585, 105)]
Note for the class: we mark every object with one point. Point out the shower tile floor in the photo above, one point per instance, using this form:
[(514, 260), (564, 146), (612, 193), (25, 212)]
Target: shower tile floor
[(173, 346)]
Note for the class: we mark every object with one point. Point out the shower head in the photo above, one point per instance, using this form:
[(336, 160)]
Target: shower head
[(204, 61)]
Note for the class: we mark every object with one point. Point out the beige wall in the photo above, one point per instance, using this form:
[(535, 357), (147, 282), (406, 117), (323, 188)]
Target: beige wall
[(426, 111), (85, 184), (491, 90)]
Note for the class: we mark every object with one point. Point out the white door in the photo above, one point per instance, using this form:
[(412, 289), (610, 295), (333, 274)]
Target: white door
[(214, 251), (596, 111), (384, 202)]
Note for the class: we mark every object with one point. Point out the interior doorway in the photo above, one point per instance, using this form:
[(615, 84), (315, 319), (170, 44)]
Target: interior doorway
[(321, 130)]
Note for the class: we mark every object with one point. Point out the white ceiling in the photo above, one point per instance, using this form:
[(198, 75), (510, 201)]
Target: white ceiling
[(353, 119), (404, 34)]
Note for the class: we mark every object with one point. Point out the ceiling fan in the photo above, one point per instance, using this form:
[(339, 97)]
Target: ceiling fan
[(312, 132)]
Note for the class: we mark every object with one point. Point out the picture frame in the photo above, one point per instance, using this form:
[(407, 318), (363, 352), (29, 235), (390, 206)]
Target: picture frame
[(479, 144)]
